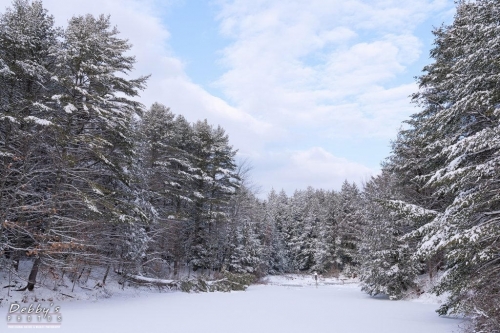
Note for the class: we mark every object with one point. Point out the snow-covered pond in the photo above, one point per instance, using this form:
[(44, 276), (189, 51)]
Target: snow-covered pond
[(260, 309)]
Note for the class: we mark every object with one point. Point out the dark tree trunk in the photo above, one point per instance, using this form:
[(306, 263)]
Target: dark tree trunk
[(88, 274), (105, 276), (32, 276), (81, 273), (176, 268)]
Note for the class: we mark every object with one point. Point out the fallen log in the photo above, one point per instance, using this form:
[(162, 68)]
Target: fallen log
[(146, 280)]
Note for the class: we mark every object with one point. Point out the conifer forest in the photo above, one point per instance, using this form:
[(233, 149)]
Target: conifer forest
[(92, 179)]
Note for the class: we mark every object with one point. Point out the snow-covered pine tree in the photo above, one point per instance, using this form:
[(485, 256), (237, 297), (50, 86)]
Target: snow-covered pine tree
[(166, 181), (27, 38), (396, 204), (277, 220), (324, 248), (467, 68), (349, 225), (166, 163), (449, 160), (244, 247), (96, 201), (303, 229), (215, 182), (388, 264)]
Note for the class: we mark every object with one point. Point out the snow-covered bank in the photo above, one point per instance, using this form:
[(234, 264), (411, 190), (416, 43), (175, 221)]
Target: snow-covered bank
[(262, 308), (87, 284), (301, 280)]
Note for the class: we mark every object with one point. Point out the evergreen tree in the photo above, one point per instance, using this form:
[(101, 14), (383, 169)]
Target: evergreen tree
[(450, 158), (388, 264), (27, 40), (348, 227), (95, 148), (304, 223), (324, 247), (469, 137), (245, 244), (215, 182), (277, 220)]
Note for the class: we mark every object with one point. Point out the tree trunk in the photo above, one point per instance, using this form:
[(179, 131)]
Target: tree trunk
[(176, 268), (81, 273), (32, 276), (105, 276), (88, 274)]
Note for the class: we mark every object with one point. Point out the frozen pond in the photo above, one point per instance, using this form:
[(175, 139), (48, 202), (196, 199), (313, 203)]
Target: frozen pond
[(262, 308)]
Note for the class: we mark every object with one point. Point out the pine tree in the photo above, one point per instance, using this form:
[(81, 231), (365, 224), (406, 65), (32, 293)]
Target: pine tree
[(277, 221), (303, 230), (324, 247), (455, 143), (215, 182), (468, 228), (95, 149), (246, 240), (27, 39), (166, 181), (245, 253), (388, 264), (166, 163), (349, 223)]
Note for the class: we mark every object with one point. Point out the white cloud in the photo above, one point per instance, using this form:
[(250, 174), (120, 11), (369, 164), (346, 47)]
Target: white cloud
[(322, 71), (314, 167), (302, 62)]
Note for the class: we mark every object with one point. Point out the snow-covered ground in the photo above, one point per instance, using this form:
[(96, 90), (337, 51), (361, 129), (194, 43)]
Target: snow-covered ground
[(283, 304)]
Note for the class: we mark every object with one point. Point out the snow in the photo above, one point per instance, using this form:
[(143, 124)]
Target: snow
[(98, 191), (70, 108), (284, 304), (261, 308), (149, 280), (413, 210), (38, 121), (11, 119), (302, 280)]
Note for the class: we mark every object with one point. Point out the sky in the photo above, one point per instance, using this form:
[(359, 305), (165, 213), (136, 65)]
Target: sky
[(311, 93)]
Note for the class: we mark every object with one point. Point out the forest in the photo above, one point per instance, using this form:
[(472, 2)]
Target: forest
[(90, 177)]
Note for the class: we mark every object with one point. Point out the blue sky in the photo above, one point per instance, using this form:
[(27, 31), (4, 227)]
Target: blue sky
[(311, 92)]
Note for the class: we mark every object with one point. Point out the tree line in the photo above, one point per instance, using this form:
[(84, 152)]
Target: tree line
[(90, 178)]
